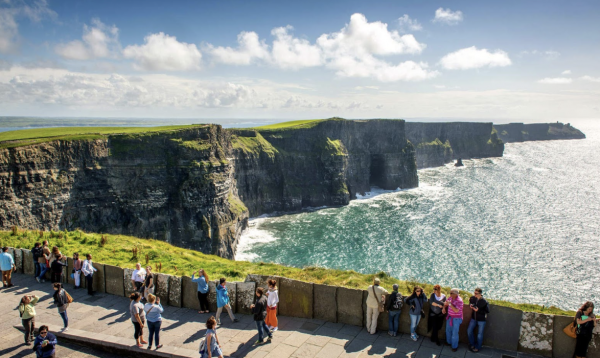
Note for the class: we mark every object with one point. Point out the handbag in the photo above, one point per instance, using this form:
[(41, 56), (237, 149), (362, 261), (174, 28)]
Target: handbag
[(422, 313), (571, 330), (380, 304), (69, 298)]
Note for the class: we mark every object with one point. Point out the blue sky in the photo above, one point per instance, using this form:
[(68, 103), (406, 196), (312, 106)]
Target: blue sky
[(516, 60)]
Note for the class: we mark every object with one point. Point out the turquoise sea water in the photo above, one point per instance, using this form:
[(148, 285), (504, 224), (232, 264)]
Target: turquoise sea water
[(525, 227)]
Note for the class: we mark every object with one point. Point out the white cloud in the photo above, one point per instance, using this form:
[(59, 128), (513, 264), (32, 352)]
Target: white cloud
[(9, 29), (98, 41), (164, 52), (471, 57), (555, 81), (293, 53), (447, 16), (407, 24), (249, 48), (566, 72), (548, 55), (590, 78)]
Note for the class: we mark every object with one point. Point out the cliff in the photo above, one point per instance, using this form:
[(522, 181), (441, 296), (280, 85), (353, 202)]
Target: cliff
[(520, 132), (440, 143)]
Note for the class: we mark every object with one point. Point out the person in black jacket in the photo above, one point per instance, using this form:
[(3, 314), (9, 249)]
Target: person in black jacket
[(394, 307), (36, 252), (57, 269), (62, 303), (479, 311), (260, 313)]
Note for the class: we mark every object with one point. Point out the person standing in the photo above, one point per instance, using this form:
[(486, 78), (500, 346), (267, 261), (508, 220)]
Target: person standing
[(259, 310), (137, 278), (436, 317), (7, 265), (88, 270), (56, 269), (394, 307), (44, 264), (223, 301), (45, 344), (36, 252), (454, 307), (138, 317), (62, 303), (374, 299), (416, 301), (202, 281), (213, 347), (479, 311), (272, 302), (27, 313), (148, 282), (77, 265), (54, 255), (585, 321), (154, 318)]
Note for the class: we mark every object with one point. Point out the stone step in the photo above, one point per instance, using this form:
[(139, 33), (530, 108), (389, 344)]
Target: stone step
[(115, 345)]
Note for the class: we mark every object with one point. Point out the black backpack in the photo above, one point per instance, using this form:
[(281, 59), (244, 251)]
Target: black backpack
[(36, 253), (398, 302)]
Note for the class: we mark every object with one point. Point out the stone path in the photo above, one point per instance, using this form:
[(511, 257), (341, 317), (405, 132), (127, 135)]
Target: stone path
[(182, 329)]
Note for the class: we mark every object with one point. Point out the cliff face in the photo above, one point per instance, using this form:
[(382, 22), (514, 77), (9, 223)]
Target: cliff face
[(440, 143), (173, 186), (325, 164), (519, 132)]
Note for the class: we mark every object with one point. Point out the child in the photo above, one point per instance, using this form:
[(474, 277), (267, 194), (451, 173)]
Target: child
[(272, 301)]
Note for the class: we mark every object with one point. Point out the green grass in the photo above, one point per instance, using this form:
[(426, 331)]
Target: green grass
[(435, 143), (303, 123), (253, 145), (117, 250)]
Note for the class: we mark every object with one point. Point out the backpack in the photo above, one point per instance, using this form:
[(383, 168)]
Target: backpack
[(202, 348), (398, 302), (68, 297)]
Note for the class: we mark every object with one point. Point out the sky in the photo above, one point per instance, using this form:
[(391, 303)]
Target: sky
[(474, 60)]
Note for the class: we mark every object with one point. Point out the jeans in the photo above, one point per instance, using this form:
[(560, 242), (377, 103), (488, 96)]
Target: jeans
[(452, 331), (65, 318), (154, 329), (89, 279), (414, 322), (262, 329), (394, 317), (44, 269), (38, 269), (481, 325)]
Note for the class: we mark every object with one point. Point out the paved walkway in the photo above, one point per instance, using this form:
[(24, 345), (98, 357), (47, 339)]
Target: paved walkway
[(182, 328)]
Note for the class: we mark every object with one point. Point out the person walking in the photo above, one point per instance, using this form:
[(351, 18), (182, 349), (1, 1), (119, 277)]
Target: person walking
[(479, 311), (138, 317), (56, 268), (585, 321), (7, 265), (36, 252), (44, 263), (202, 281), (45, 344), (223, 301), (394, 307), (272, 302), (77, 265), (259, 310), (154, 312), (436, 317), (148, 282), (137, 278), (27, 313), (416, 301), (212, 346), (375, 298), (454, 307), (88, 271), (61, 300)]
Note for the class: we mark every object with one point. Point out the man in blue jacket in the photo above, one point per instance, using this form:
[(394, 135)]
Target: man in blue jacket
[(45, 344), (223, 301)]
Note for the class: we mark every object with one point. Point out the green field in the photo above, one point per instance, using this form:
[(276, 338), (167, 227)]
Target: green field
[(125, 251), (303, 123)]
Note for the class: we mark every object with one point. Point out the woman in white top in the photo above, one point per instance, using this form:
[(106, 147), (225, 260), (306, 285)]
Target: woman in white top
[(272, 301)]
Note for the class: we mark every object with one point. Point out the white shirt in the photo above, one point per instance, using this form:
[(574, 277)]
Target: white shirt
[(138, 275), (272, 298), (87, 268)]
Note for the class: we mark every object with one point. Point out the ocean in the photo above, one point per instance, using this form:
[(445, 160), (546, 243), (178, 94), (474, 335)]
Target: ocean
[(525, 227)]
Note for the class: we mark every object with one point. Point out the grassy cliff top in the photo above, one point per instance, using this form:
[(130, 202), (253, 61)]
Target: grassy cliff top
[(125, 251), (39, 135), (303, 123)]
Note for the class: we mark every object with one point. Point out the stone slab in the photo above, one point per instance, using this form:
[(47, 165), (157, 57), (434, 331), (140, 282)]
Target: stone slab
[(563, 346), (464, 326), (99, 278), (262, 280), (212, 295), (162, 287), (113, 278), (18, 256), (189, 293), (232, 291), (502, 328), (537, 333), (28, 264), (245, 293), (128, 286), (296, 298), (325, 302), (349, 306), (174, 291)]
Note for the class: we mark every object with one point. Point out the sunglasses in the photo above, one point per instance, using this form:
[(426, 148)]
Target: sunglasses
[(43, 332)]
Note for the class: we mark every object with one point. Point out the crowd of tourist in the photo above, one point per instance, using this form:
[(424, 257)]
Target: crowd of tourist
[(264, 310)]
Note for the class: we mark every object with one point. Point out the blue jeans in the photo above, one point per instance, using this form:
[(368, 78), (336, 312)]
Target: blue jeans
[(452, 331), (414, 322), (393, 321), (44, 270), (154, 329), (38, 269), (262, 330), (481, 325), (65, 318)]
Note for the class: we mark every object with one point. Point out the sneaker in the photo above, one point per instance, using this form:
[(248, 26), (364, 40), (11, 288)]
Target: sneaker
[(235, 320), (27, 343), (159, 346), (38, 280), (149, 347), (414, 337), (274, 329), (43, 280), (218, 323), (258, 343), (395, 334), (390, 334)]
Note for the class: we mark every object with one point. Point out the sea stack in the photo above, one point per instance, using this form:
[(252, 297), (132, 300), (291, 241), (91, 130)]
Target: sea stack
[(459, 163)]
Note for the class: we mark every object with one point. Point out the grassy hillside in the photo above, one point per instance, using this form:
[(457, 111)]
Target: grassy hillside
[(300, 123), (125, 251)]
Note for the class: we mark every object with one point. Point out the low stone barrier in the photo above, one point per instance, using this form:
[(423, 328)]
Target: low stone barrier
[(503, 327), (325, 302), (28, 264), (161, 285), (563, 346), (99, 278), (296, 298), (113, 280), (174, 291), (189, 293), (212, 295), (129, 288), (18, 256), (349, 306), (537, 333), (245, 293)]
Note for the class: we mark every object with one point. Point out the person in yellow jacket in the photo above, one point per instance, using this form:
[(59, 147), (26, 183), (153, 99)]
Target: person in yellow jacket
[(376, 295), (27, 312)]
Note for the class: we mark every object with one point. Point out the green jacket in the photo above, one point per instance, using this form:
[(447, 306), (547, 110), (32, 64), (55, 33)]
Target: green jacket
[(27, 311)]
